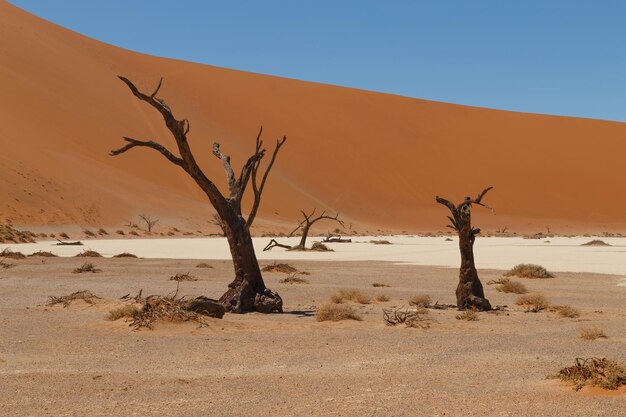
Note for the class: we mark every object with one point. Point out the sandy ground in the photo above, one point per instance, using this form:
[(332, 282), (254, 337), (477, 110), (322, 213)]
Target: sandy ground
[(58, 361)]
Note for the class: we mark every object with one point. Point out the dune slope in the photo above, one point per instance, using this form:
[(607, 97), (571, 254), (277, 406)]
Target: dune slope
[(378, 159)]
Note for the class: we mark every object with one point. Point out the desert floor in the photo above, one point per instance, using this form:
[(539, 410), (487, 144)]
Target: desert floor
[(72, 362)]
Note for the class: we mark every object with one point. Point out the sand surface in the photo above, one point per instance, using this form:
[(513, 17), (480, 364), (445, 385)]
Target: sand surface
[(378, 159), (58, 361)]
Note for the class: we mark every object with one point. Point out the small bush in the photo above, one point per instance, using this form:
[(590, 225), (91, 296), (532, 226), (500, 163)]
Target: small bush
[(337, 312), (276, 267), (86, 267), (381, 298), (64, 235), (533, 302), (420, 300), (7, 253), (592, 333), (89, 233), (508, 286), (596, 242), (66, 300), (204, 265), (183, 277), (468, 315), (44, 254), (528, 271), (351, 294), (566, 311), (320, 247), (102, 232), (133, 232), (128, 310), (293, 279), (380, 242), (89, 254), (125, 255), (120, 232), (380, 285), (600, 372)]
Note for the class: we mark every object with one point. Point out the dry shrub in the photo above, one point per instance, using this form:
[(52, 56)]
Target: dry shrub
[(133, 232), (410, 317), (7, 253), (467, 315), (380, 285), (125, 255), (183, 277), (276, 267), (102, 231), (66, 300), (127, 310), (351, 294), (598, 372), (203, 265), (89, 233), (320, 247), (508, 286), (382, 298), (44, 254), (380, 242), (596, 242), (89, 254), (420, 300), (528, 271), (166, 308), (10, 234), (592, 333), (120, 232), (336, 312), (293, 279), (532, 302), (566, 311), (86, 267), (64, 235)]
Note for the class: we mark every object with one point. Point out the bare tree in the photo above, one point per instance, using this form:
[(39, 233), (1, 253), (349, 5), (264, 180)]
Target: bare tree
[(469, 292), (247, 292), (305, 226), (150, 222)]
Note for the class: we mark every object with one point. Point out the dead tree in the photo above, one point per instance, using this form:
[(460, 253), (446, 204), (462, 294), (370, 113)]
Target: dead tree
[(150, 222), (247, 292), (305, 226), (469, 292)]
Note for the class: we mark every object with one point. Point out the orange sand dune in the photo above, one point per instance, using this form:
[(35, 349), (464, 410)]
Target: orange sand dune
[(378, 159)]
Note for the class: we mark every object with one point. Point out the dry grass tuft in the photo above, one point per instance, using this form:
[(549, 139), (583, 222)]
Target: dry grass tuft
[(598, 372), (566, 311), (89, 233), (382, 298), (276, 267), (380, 285), (128, 310), (337, 312), (596, 242), (7, 253), (183, 277), (204, 265), (351, 294), (420, 300), (64, 235), (532, 302), (467, 315), (507, 286), (410, 317), (320, 247), (125, 255), (102, 232), (89, 254), (44, 254), (380, 242), (528, 271), (120, 232), (66, 300), (86, 267), (166, 308), (592, 333), (293, 279)]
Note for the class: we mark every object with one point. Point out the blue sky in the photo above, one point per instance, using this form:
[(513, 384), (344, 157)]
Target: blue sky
[(550, 56)]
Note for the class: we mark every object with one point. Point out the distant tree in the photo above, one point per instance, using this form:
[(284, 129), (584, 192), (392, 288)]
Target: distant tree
[(469, 292), (305, 226), (150, 222), (247, 292)]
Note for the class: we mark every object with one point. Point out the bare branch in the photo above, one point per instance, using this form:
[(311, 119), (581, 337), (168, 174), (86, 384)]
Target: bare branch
[(150, 144), (156, 90), (230, 175), (446, 203)]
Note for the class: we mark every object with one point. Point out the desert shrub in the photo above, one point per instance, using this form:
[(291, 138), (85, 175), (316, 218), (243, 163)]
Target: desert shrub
[(120, 232), (351, 294), (102, 231), (600, 372), (596, 242), (125, 255), (566, 311), (293, 279), (409, 317), (420, 300), (44, 254), (89, 254), (467, 315), (336, 312), (532, 302), (528, 271), (381, 298), (127, 310), (380, 285), (508, 286), (86, 267), (169, 308), (276, 267), (320, 247), (133, 232), (592, 333), (183, 277), (64, 235), (66, 300), (204, 265), (380, 242), (7, 253), (170, 233), (89, 233)]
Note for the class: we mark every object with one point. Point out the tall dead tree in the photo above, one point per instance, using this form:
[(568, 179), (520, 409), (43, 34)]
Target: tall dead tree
[(469, 292), (305, 226), (150, 222), (247, 292)]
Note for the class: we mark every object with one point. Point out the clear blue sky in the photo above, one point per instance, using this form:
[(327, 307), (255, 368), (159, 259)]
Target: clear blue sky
[(564, 57)]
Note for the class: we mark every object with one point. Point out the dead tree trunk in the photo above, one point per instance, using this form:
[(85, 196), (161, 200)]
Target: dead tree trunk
[(247, 292), (469, 292)]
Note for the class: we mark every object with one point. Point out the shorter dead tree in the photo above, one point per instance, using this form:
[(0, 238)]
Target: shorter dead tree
[(469, 292), (149, 221), (305, 225)]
